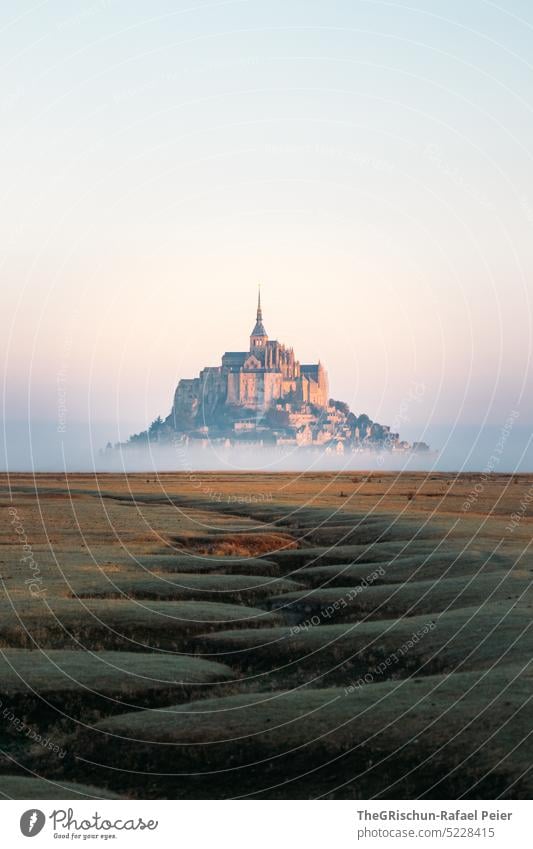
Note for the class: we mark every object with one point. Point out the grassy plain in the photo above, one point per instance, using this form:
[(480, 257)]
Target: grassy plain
[(266, 635)]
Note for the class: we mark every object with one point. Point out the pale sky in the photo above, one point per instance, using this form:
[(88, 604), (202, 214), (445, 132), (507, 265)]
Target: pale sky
[(369, 162)]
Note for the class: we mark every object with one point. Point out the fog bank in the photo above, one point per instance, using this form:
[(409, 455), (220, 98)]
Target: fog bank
[(41, 448)]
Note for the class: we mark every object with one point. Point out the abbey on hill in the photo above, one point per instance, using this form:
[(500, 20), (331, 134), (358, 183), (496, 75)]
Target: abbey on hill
[(265, 396), (262, 377)]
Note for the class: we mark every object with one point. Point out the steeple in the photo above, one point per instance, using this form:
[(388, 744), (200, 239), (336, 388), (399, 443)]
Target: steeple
[(259, 335)]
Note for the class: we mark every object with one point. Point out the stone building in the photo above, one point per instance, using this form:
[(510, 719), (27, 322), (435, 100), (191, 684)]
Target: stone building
[(266, 374), (264, 397)]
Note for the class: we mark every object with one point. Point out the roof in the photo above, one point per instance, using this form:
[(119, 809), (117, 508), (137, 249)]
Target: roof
[(234, 357), (259, 329)]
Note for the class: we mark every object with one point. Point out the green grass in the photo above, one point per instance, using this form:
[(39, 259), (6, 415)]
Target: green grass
[(42, 686), (375, 739), (383, 552), (412, 567), (200, 564), (464, 639), (24, 787), (378, 528), (355, 603), (229, 698), (128, 624), (245, 589)]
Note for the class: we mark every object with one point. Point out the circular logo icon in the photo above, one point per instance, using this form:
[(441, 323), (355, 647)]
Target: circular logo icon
[(32, 822)]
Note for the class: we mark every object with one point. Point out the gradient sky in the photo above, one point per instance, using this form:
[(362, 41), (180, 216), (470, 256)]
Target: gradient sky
[(368, 162)]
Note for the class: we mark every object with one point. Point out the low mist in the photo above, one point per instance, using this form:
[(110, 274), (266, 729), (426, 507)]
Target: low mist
[(40, 447)]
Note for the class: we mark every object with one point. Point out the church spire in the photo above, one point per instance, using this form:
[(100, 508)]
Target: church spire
[(259, 335)]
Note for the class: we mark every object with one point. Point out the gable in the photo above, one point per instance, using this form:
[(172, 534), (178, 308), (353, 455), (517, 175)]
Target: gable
[(252, 362)]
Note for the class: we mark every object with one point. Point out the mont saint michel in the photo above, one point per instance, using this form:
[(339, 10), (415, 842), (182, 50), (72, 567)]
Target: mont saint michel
[(265, 396)]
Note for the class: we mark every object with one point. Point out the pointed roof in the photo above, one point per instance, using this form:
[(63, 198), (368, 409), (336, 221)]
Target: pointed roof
[(259, 329)]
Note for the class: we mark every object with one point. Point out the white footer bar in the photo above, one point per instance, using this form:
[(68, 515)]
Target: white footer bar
[(268, 824)]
